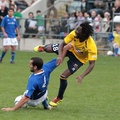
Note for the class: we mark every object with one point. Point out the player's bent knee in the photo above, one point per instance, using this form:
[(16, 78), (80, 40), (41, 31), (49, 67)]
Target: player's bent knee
[(63, 77), (48, 48)]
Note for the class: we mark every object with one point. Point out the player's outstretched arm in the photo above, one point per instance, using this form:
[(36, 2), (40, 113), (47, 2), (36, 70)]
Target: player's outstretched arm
[(18, 105), (65, 49), (87, 71)]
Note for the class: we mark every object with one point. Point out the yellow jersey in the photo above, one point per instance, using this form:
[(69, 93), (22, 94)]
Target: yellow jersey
[(83, 51), (116, 37)]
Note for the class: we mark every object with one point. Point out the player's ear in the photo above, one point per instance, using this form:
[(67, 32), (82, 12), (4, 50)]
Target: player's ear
[(35, 67)]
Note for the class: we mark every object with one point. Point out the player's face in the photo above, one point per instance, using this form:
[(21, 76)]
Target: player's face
[(118, 27), (31, 66), (79, 34), (10, 13)]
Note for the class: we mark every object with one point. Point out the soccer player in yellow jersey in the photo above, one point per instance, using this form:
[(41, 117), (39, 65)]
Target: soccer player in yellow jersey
[(80, 47)]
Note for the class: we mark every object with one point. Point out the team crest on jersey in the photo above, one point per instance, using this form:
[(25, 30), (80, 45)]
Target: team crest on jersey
[(80, 51), (75, 67)]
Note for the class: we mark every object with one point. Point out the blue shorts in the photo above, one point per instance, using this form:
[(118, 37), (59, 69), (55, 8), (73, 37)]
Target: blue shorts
[(73, 63)]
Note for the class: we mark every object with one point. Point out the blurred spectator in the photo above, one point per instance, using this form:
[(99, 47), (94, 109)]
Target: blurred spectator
[(83, 5), (106, 22), (3, 13), (93, 14), (30, 26), (71, 21), (99, 4), (116, 7), (18, 15), (106, 16), (22, 4), (13, 6), (114, 37), (4, 2), (51, 7), (10, 2), (87, 17), (40, 22), (95, 20), (109, 4), (64, 27), (80, 19), (97, 23)]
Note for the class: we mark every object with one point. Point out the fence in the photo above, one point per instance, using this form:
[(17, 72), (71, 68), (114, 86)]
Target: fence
[(52, 33)]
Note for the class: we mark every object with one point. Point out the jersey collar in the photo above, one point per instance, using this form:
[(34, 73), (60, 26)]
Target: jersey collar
[(39, 72), (9, 17)]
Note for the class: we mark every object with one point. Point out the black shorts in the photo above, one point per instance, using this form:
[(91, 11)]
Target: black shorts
[(73, 63), (55, 48)]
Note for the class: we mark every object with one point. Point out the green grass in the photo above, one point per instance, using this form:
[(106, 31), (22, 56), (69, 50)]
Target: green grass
[(97, 98)]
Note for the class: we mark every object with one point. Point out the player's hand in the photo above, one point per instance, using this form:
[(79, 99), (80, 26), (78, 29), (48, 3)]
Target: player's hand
[(18, 37), (7, 109), (79, 79), (5, 35), (59, 61)]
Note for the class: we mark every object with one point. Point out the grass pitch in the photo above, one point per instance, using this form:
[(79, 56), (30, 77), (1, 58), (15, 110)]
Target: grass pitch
[(97, 98)]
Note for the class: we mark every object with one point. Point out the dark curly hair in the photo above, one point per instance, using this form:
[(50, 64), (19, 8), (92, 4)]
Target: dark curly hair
[(84, 31)]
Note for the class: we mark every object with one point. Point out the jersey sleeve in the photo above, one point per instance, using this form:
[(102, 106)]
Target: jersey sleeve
[(50, 66), (92, 56), (69, 37), (29, 89)]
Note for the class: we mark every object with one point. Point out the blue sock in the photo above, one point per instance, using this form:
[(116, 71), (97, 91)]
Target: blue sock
[(116, 50), (45, 104), (12, 56), (3, 54)]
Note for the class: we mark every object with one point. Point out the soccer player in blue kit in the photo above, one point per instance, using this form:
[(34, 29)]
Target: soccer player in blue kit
[(9, 28), (36, 90)]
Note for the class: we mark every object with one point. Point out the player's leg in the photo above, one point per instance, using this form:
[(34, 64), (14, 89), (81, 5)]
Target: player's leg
[(49, 48), (116, 49), (14, 43), (46, 105), (73, 65), (5, 48), (13, 48), (62, 88), (43, 99)]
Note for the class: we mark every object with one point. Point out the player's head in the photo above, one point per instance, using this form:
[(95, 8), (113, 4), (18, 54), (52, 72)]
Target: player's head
[(38, 12), (35, 64), (117, 27), (84, 31), (10, 12)]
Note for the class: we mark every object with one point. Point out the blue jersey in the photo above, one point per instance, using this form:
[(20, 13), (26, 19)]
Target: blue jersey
[(10, 25), (37, 83)]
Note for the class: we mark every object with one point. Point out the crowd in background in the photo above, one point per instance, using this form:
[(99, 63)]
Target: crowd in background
[(98, 12)]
